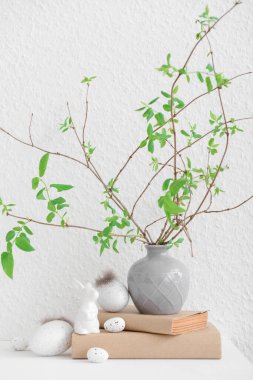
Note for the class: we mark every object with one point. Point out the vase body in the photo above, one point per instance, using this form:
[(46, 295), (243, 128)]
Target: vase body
[(158, 283)]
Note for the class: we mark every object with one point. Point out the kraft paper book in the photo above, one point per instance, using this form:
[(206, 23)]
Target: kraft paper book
[(202, 344), (184, 322)]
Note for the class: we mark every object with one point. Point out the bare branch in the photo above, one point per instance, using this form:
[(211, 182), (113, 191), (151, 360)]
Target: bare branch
[(68, 226), (41, 149), (155, 221), (189, 239), (86, 112), (30, 129), (225, 209)]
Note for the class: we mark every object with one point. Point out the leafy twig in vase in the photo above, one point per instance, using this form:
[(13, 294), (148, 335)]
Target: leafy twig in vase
[(163, 128)]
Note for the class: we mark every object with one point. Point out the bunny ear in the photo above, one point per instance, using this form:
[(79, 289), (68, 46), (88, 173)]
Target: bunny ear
[(79, 283)]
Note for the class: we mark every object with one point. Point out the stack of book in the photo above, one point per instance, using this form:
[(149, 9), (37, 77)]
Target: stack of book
[(186, 335)]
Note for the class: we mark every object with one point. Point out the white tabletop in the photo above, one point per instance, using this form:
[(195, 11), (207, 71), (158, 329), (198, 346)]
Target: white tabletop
[(27, 366)]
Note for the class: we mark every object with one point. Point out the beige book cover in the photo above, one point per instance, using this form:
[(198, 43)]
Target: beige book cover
[(202, 344), (185, 321)]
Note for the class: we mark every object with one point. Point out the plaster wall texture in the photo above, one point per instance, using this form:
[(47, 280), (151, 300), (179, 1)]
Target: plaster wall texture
[(46, 48)]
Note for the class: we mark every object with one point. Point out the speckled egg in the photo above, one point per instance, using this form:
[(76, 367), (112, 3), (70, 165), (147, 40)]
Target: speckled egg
[(97, 355), (116, 324), (52, 338)]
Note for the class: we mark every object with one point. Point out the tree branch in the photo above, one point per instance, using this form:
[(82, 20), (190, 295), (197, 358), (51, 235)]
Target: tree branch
[(41, 149), (68, 226), (225, 209), (30, 129), (86, 112)]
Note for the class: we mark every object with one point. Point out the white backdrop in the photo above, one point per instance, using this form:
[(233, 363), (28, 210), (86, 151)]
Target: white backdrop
[(46, 48)]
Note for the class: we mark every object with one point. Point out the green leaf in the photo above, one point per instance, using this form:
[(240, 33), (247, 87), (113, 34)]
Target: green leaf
[(175, 90), (167, 107), (140, 109), (182, 71), (160, 118), (88, 80), (10, 235), (125, 222), (149, 130), (209, 67), (23, 235), (40, 196), (180, 103), (171, 208), (165, 94), (125, 213), (183, 132), (27, 230), (153, 101), (9, 247), (148, 114), (161, 201), (114, 246), (17, 229), (143, 143), (177, 185), (166, 183), (51, 206), (23, 244), (60, 207), (151, 146), (58, 201), (188, 162), (61, 187), (43, 164), (209, 84), (107, 231), (35, 182), (7, 263), (200, 77), (50, 217)]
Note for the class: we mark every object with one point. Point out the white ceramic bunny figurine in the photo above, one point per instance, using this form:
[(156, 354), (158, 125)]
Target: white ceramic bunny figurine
[(86, 320)]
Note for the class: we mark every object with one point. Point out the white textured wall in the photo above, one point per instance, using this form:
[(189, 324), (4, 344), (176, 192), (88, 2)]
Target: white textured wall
[(46, 48)]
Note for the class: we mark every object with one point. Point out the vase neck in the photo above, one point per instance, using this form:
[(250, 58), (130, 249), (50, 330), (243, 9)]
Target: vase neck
[(155, 250)]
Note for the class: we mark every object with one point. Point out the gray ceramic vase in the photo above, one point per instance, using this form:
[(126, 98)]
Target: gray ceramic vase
[(158, 283)]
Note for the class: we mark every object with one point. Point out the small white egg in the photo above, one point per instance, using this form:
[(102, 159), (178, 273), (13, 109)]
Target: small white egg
[(19, 343), (97, 355), (52, 338), (113, 325)]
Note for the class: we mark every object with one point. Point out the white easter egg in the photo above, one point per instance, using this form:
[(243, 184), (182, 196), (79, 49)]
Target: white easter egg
[(19, 343), (52, 338), (97, 355), (113, 296), (116, 324)]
